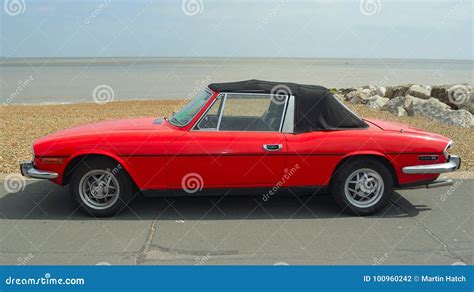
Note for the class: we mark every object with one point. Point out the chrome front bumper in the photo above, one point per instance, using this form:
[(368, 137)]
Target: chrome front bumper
[(453, 164), (27, 169)]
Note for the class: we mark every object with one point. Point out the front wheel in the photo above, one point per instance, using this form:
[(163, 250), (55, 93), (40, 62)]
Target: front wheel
[(362, 186), (101, 187)]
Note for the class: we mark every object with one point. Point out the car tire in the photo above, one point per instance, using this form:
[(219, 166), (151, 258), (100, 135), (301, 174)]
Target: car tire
[(362, 186), (101, 187)]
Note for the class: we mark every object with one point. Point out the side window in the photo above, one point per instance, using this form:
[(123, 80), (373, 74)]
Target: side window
[(244, 112), (251, 112)]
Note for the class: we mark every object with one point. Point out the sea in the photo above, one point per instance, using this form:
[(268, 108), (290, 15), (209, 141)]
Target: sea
[(80, 80)]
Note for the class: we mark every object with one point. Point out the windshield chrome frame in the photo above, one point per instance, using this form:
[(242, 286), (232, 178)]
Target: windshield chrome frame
[(195, 115)]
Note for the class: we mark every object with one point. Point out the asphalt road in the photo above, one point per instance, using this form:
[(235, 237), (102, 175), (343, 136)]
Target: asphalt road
[(38, 225)]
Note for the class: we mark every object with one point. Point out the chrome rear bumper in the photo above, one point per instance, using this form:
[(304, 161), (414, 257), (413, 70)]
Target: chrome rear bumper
[(453, 164), (28, 170)]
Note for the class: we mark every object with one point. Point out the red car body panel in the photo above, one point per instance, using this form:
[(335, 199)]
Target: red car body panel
[(159, 155)]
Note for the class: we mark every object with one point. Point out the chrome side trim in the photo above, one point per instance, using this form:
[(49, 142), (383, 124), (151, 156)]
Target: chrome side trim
[(28, 170), (453, 164), (289, 119), (221, 112)]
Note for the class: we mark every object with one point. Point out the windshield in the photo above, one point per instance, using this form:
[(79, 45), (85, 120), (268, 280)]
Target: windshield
[(187, 113)]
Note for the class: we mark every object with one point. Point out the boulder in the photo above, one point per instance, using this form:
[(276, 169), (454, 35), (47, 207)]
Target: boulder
[(345, 91), (460, 96), (420, 91), (376, 102), (469, 105), (375, 90), (440, 92), (436, 110), (358, 96), (394, 91), (398, 105)]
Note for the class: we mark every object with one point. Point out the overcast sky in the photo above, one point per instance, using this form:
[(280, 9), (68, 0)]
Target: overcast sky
[(327, 29)]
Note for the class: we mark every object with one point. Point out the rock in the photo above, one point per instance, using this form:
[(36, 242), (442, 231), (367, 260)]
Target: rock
[(402, 102), (400, 112), (394, 91), (339, 96), (427, 107), (460, 96), (436, 110), (345, 91), (398, 105), (440, 92), (469, 105), (358, 96), (420, 91), (375, 90), (376, 102)]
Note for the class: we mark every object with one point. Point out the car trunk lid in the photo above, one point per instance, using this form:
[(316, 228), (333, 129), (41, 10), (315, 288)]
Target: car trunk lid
[(398, 127)]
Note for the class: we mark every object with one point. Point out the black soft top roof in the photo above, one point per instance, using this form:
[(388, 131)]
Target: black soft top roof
[(315, 106)]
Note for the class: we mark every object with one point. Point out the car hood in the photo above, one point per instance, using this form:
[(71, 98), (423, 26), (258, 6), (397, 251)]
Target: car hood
[(398, 127), (113, 126)]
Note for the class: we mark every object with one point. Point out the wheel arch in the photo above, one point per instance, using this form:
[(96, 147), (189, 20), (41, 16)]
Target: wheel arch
[(367, 155), (79, 157)]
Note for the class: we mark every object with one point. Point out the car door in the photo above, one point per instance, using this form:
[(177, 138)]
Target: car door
[(236, 143)]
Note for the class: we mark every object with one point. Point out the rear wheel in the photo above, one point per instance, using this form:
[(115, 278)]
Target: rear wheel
[(362, 186), (101, 187)]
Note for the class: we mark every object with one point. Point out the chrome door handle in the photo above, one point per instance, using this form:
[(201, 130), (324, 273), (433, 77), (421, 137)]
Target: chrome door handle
[(272, 147)]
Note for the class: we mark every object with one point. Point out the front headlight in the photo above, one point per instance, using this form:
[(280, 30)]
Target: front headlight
[(446, 150)]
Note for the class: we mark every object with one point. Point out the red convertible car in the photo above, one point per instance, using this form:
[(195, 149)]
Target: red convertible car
[(252, 135)]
